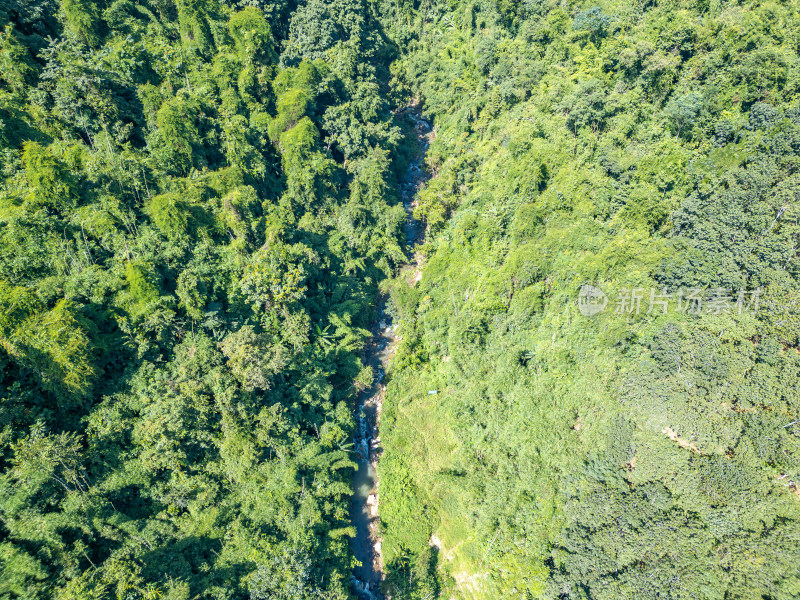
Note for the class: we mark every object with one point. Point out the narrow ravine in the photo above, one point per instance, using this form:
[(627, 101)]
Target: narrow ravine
[(366, 544)]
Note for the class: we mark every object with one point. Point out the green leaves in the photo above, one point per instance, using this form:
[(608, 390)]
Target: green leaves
[(193, 20), (142, 282), (15, 68), (49, 179), (18, 304), (254, 358), (285, 576), (59, 350), (53, 345), (178, 134), (82, 19), (178, 219), (56, 458), (684, 110), (292, 105), (275, 275), (593, 21), (295, 90), (587, 106), (174, 216), (252, 35)]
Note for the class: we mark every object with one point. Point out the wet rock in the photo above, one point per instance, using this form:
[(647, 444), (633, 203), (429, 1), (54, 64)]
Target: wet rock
[(367, 439)]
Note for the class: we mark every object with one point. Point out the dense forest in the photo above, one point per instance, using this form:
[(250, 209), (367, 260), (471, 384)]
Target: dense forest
[(200, 208), (198, 202), (532, 451)]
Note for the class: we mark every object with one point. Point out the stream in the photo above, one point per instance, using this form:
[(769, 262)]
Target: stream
[(366, 544)]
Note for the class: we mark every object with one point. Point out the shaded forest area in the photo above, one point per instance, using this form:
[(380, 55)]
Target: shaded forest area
[(198, 201)]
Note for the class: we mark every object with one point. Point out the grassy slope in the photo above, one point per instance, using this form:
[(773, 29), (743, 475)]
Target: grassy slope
[(545, 464)]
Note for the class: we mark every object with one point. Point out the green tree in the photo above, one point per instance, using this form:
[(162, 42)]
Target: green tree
[(82, 18), (254, 358), (177, 134), (56, 347), (50, 181)]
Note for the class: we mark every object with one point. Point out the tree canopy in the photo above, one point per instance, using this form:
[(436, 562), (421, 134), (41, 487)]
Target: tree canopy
[(182, 315), (200, 205)]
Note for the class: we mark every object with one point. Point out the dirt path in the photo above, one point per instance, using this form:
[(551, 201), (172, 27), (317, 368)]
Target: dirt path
[(366, 545)]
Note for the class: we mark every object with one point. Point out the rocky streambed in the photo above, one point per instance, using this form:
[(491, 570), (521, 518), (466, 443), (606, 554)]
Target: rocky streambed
[(364, 507)]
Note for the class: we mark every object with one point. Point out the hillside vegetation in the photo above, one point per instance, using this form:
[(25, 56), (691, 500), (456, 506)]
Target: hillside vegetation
[(196, 206), (532, 451), (199, 206)]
